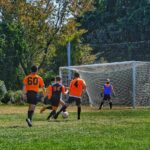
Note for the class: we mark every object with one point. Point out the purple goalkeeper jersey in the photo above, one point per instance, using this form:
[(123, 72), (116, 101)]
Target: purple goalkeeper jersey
[(107, 88)]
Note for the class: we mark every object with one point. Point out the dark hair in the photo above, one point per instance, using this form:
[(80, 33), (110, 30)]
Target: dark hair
[(34, 68), (76, 75), (52, 79), (58, 78)]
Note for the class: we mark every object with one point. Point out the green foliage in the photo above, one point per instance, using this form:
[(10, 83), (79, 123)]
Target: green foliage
[(35, 32), (8, 97), (13, 97), (115, 26), (18, 97), (47, 77), (3, 89)]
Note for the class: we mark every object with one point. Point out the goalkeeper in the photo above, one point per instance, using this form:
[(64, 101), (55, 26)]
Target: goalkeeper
[(107, 91)]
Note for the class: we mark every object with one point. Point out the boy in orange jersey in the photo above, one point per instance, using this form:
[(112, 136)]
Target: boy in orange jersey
[(54, 93), (48, 101), (32, 83), (107, 91), (77, 88)]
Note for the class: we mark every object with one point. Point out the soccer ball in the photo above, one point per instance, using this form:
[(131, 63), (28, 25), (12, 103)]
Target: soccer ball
[(65, 114)]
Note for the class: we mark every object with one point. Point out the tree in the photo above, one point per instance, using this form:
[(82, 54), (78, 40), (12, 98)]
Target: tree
[(118, 29), (39, 29)]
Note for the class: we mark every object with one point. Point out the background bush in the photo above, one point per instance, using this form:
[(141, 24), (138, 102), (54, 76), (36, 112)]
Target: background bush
[(3, 89)]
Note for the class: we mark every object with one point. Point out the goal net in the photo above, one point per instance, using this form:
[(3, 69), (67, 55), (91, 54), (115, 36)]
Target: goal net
[(131, 81)]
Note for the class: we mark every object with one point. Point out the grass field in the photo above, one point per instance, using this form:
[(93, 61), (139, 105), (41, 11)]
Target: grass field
[(118, 129)]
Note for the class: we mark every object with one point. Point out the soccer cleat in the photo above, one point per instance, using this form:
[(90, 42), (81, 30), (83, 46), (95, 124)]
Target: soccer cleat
[(29, 122)]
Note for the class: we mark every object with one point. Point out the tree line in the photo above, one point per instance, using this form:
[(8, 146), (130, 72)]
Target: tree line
[(118, 30), (37, 32)]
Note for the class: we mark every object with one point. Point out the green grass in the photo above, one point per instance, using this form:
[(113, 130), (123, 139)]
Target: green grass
[(97, 130)]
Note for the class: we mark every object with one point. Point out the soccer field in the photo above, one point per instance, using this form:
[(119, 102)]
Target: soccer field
[(118, 129)]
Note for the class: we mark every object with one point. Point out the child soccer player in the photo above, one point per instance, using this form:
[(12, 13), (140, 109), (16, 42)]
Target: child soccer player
[(77, 88), (54, 93), (32, 83), (107, 91)]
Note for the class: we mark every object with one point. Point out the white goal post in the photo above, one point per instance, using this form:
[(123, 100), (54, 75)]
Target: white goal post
[(130, 79)]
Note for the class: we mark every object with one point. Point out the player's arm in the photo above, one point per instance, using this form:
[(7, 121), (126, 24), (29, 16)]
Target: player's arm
[(113, 91), (42, 86), (83, 87), (49, 92), (64, 90), (24, 90)]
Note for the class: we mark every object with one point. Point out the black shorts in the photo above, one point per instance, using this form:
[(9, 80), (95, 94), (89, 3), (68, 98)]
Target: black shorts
[(55, 102), (47, 101), (106, 97), (74, 99), (32, 97)]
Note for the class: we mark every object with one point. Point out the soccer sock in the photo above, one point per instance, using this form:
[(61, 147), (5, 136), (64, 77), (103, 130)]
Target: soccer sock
[(63, 108), (51, 114), (30, 114), (79, 111), (110, 103)]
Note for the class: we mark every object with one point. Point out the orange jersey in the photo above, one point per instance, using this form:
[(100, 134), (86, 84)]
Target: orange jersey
[(49, 91), (33, 82), (76, 87), (55, 90)]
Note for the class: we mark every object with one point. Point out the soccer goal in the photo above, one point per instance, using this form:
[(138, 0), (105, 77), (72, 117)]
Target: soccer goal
[(130, 79)]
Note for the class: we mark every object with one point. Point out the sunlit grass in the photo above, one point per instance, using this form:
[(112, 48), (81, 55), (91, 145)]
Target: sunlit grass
[(124, 129)]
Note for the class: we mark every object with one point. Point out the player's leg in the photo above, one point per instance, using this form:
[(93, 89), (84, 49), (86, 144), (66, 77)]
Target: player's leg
[(52, 113), (44, 108), (46, 102), (78, 103), (110, 102), (55, 104), (64, 107), (32, 101), (63, 104), (102, 102), (31, 111)]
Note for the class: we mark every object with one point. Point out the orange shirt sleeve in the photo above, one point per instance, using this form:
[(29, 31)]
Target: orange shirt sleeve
[(49, 91), (41, 82), (63, 89)]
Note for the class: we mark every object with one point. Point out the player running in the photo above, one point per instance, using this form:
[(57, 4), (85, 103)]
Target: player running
[(32, 83), (47, 101), (76, 89), (107, 91), (54, 93)]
